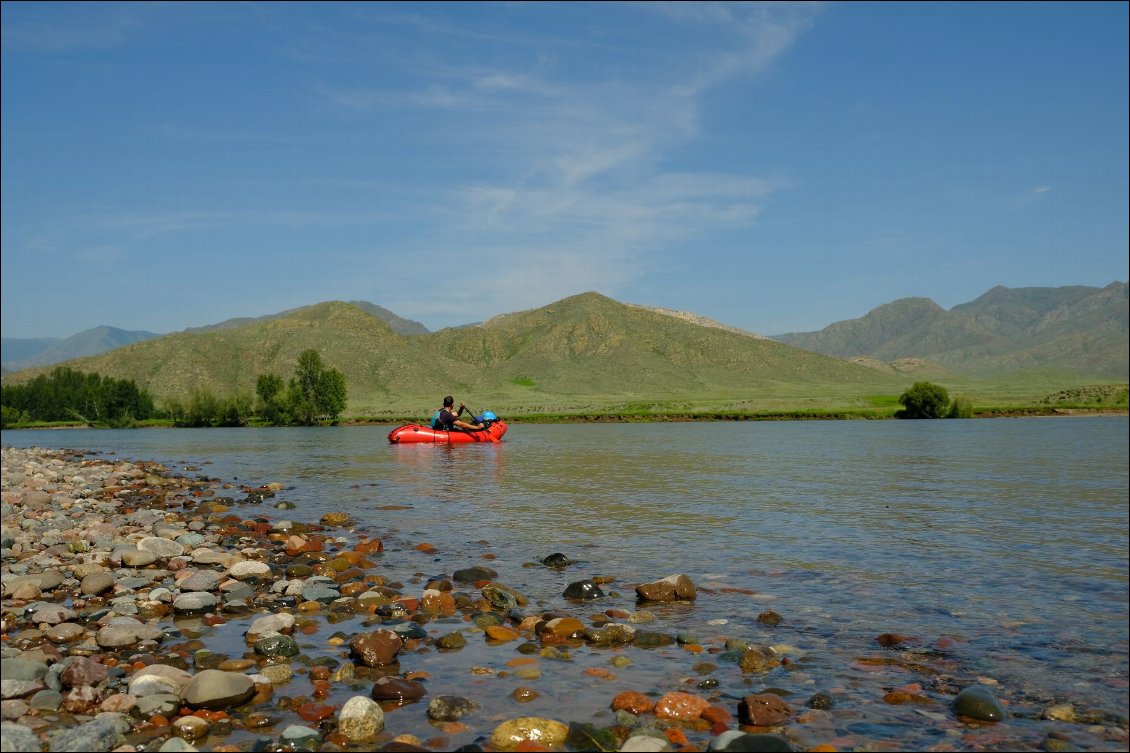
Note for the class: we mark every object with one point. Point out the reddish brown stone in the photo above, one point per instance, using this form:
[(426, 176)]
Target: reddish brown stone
[(83, 671), (397, 689), (376, 649), (633, 703), (763, 710), (682, 706)]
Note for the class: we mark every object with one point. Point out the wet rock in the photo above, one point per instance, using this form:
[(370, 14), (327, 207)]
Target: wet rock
[(583, 589), (978, 702), (763, 710), (162, 704), (651, 639), (758, 659), (769, 618), (276, 644), (513, 732), (732, 740), (671, 588), (195, 602), (216, 689), (501, 597), (633, 703), (564, 627), (64, 632), (821, 700), (397, 689), (281, 622), (680, 706), (451, 641), (474, 574), (158, 679), (450, 708), (336, 519), (190, 727), (610, 633), (645, 743), (376, 649), (126, 631), (557, 559), (360, 719)]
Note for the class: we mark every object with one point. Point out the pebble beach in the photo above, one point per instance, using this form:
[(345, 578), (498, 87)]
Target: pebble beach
[(146, 608)]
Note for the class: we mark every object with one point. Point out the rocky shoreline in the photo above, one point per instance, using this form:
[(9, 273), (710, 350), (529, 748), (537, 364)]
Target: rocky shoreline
[(119, 578)]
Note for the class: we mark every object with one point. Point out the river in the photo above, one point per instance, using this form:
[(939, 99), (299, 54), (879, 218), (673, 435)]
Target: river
[(998, 548)]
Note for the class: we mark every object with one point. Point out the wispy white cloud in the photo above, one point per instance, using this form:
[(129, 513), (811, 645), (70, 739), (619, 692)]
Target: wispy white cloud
[(61, 27), (1030, 197), (579, 197)]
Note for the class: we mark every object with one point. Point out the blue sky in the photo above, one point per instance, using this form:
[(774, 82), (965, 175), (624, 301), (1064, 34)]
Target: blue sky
[(776, 167)]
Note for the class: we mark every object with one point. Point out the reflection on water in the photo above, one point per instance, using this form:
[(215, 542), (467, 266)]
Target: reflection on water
[(1010, 534)]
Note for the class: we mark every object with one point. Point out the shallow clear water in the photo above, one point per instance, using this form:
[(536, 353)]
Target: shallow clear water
[(1007, 537)]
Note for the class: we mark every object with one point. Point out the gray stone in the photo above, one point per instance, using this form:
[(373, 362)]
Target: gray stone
[(10, 689), (216, 689), (281, 622), (20, 668), (177, 745), (201, 580), (157, 679), (249, 569), (52, 614), (126, 631), (137, 557), (165, 704), (450, 708), (978, 702), (100, 734), (194, 602), (360, 719), (64, 632), (160, 546), (96, 583), (18, 739)]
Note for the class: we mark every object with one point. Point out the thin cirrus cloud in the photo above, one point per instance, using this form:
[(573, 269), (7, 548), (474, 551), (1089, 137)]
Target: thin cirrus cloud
[(581, 157), (1030, 197)]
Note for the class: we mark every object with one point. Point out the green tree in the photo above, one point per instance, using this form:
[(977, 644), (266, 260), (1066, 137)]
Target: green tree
[(316, 394), (269, 388), (962, 407), (924, 400)]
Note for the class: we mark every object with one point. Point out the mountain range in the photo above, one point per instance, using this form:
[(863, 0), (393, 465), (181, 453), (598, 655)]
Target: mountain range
[(1078, 329), (591, 353)]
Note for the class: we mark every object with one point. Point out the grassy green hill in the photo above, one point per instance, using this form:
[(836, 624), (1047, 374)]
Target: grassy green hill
[(582, 354), (586, 354)]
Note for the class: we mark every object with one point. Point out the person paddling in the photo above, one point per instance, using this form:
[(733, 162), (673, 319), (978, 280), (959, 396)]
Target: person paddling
[(449, 420)]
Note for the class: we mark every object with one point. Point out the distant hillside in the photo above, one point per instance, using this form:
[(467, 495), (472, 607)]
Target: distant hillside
[(396, 323), (27, 353), (587, 350), (1079, 330)]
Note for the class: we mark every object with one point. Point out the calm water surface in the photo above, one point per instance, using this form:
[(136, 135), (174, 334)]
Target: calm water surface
[(1006, 538)]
